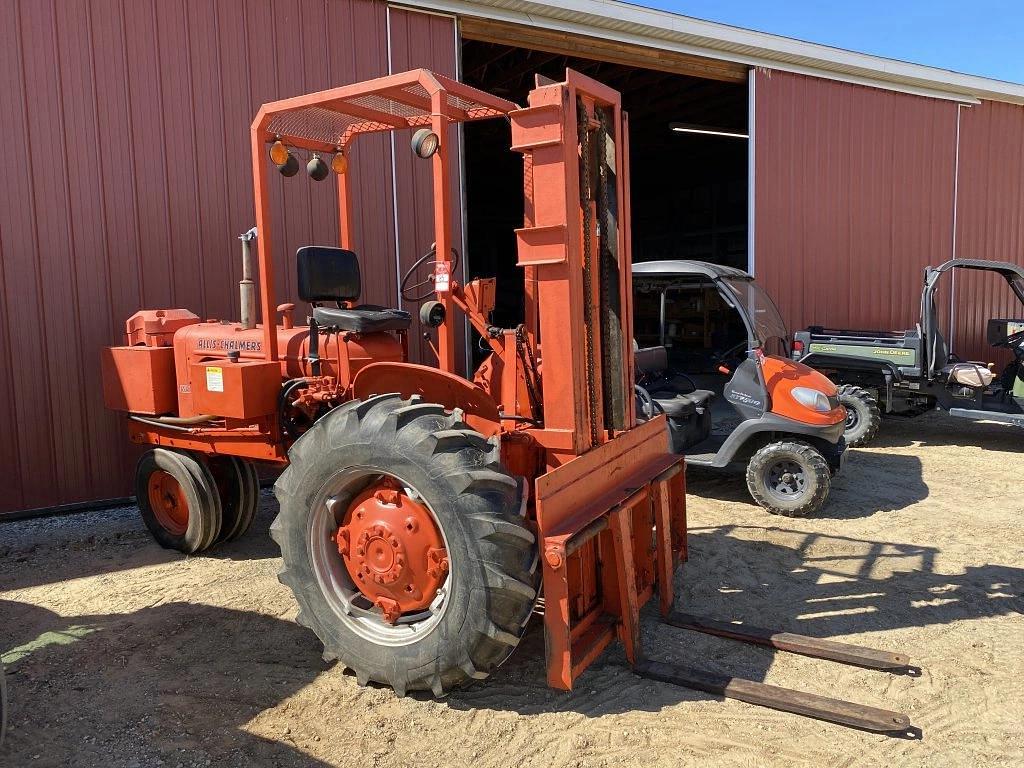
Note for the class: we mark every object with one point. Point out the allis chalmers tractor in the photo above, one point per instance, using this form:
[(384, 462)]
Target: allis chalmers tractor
[(422, 513)]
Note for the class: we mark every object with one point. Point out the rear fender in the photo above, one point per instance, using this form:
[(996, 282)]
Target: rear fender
[(878, 368), (434, 386)]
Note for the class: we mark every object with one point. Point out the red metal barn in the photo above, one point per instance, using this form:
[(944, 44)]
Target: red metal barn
[(127, 179)]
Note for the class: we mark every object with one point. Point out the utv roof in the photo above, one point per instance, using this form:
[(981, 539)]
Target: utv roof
[(685, 267), (1004, 268)]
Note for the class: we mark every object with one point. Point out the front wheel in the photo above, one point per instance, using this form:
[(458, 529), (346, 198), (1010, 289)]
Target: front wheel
[(863, 416), (789, 478), (178, 500), (404, 544)]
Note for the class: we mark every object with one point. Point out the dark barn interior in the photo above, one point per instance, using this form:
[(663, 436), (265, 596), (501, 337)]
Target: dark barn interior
[(688, 191)]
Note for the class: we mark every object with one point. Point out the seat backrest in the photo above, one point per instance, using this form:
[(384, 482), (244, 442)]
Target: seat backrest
[(327, 274), (651, 360)]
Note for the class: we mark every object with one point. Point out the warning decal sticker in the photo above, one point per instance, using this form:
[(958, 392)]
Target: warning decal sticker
[(215, 379)]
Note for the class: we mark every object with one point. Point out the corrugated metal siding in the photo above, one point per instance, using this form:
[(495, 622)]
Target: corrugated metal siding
[(853, 198), (419, 37), (129, 182), (990, 221)]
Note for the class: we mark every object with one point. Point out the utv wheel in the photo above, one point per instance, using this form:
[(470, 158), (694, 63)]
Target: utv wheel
[(789, 478), (238, 487), (403, 541), (178, 500), (863, 416)]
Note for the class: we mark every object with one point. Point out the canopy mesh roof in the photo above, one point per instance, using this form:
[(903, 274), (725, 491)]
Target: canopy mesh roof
[(337, 117)]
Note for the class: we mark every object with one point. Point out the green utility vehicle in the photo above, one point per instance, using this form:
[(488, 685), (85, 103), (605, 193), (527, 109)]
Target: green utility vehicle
[(909, 372)]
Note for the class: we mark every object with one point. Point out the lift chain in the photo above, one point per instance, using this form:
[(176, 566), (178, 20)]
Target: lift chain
[(586, 198), (525, 352), (610, 302)]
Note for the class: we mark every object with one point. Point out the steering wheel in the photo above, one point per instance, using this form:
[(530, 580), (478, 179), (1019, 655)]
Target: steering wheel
[(731, 352), (409, 291), (1014, 341)]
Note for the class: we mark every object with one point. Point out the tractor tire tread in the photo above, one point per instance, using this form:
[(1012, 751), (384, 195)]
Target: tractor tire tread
[(462, 464)]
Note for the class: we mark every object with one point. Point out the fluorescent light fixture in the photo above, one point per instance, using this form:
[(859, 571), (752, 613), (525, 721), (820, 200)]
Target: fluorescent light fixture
[(706, 130)]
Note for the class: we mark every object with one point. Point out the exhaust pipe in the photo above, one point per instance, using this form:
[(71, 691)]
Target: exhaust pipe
[(247, 288)]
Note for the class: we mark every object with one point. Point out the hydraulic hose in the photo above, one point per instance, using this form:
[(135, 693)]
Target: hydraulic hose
[(173, 422)]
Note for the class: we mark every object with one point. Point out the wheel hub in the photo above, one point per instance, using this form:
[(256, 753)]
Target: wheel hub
[(393, 550), (786, 478), (168, 502)]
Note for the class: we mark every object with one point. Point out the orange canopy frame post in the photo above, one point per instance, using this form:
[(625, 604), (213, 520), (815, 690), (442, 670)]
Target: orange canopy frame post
[(328, 122)]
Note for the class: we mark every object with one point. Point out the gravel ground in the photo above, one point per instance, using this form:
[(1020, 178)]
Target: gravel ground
[(123, 654)]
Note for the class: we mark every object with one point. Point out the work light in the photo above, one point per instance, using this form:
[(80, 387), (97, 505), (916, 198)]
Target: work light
[(316, 168), (282, 157), (425, 143)]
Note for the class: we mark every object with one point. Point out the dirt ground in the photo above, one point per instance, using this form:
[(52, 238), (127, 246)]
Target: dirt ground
[(122, 654)]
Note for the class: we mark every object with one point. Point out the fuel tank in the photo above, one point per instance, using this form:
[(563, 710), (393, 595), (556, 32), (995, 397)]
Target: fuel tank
[(342, 355)]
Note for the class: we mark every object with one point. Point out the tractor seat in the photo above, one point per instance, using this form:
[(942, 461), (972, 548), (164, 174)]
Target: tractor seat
[(327, 273), (367, 318)]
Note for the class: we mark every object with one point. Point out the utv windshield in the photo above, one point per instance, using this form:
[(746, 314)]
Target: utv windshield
[(761, 315)]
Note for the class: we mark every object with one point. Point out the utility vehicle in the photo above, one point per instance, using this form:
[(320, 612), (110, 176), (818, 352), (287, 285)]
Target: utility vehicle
[(720, 373), (909, 372)]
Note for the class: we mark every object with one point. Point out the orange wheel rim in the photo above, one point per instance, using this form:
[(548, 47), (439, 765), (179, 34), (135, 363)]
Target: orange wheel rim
[(168, 502), (393, 550)]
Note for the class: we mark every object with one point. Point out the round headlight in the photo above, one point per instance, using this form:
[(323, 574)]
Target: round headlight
[(339, 163), (811, 398), (425, 143)]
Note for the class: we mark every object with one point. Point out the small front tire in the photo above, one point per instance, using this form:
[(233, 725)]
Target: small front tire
[(789, 478), (178, 500)]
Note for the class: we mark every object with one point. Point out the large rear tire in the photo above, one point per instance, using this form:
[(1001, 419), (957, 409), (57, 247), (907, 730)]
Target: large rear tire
[(863, 416), (789, 478), (477, 614)]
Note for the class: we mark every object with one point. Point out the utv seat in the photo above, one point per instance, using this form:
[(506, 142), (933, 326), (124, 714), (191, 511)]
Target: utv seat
[(974, 375), (688, 409), (671, 391), (956, 371), (332, 274)]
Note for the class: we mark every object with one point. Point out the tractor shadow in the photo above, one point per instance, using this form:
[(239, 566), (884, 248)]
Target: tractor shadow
[(869, 483), (940, 429), (811, 584), (169, 685), (60, 548)]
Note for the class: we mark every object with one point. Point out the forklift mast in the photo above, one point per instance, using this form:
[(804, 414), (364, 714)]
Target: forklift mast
[(575, 251)]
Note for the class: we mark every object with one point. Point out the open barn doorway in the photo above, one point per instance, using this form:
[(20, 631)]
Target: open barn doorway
[(689, 188)]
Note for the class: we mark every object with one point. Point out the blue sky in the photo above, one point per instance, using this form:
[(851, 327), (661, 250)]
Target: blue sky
[(981, 37)]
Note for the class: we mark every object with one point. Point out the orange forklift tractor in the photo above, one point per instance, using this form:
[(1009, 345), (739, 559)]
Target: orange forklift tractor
[(422, 514)]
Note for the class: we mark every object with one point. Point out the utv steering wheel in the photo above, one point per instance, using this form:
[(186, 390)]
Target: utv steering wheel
[(1014, 342), (728, 354), (410, 290)]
